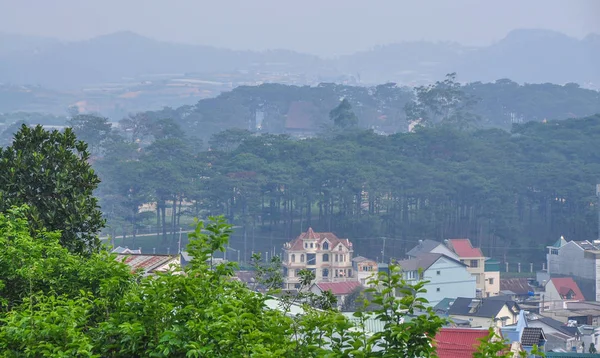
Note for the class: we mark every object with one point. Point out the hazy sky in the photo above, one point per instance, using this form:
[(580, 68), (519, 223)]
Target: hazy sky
[(324, 27)]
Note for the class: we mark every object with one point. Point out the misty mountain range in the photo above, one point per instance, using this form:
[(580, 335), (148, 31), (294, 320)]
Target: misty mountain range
[(531, 56)]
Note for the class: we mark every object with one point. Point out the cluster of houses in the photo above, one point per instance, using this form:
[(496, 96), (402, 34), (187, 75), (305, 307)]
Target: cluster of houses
[(556, 311)]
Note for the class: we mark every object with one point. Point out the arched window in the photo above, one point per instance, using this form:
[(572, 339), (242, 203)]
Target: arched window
[(302, 258), (325, 257), (293, 258), (325, 246)]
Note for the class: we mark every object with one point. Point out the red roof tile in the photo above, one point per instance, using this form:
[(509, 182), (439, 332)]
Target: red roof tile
[(463, 248), (339, 288), (298, 244), (565, 284), (458, 342)]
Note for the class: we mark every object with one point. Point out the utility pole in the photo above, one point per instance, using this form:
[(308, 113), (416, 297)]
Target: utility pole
[(383, 251), (180, 241), (598, 207)]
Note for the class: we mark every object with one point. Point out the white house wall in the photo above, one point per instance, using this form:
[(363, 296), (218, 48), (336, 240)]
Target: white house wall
[(571, 261), (453, 281)]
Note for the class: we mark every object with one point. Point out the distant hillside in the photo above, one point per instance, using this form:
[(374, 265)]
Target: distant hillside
[(125, 54), (532, 56), (24, 45), (525, 56)]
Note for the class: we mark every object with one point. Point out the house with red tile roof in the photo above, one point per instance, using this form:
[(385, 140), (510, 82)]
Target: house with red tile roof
[(323, 253), (458, 342), (474, 259), (562, 288)]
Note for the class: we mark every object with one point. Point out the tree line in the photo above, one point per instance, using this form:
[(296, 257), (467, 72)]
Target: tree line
[(512, 193)]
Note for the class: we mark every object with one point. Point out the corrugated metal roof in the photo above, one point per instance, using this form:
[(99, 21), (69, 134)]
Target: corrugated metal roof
[(148, 263)]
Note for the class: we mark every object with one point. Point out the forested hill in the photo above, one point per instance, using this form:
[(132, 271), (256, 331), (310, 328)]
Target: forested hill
[(510, 192), (276, 108), (526, 55)]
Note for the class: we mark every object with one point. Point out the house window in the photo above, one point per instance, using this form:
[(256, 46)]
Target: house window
[(306, 245), (438, 273), (336, 257), (296, 285), (553, 251), (311, 245), (349, 272), (325, 246), (325, 257), (340, 248), (491, 280), (474, 263), (297, 272), (302, 258), (437, 289), (325, 272), (311, 259), (293, 258)]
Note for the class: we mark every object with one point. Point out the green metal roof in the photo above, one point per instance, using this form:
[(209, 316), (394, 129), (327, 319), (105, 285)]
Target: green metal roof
[(560, 242)]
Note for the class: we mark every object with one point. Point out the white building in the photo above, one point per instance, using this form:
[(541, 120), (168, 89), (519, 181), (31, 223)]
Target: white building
[(326, 255), (577, 259), (364, 269), (448, 278)]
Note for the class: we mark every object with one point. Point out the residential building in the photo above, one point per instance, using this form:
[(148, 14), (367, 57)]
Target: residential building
[(559, 335), (323, 253), (572, 312), (526, 337), (485, 312), (473, 258), (562, 288), (430, 246), (339, 289), (364, 269), (448, 278), (579, 260), (458, 342), (491, 278)]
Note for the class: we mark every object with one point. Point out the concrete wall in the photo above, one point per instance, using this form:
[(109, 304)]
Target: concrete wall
[(492, 283), (571, 261), (452, 281)]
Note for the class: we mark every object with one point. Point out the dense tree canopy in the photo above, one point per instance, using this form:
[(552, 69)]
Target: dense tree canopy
[(512, 193), (50, 172)]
